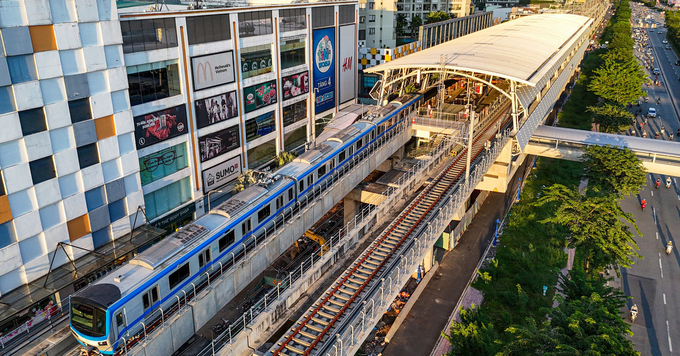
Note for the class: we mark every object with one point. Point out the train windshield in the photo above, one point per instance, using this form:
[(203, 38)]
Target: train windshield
[(89, 320)]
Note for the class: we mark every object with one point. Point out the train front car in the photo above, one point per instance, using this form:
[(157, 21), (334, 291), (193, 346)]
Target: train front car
[(90, 323)]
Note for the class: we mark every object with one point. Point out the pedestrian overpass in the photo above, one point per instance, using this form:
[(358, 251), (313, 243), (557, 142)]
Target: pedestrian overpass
[(657, 156)]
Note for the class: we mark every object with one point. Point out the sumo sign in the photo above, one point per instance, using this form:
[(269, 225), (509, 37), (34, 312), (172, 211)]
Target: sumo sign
[(221, 174), (324, 69)]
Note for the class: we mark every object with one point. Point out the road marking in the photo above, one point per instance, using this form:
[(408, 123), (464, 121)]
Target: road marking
[(657, 237), (664, 299), (661, 268), (652, 193), (668, 331)]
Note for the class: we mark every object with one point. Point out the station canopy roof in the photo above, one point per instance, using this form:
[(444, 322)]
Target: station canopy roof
[(523, 50)]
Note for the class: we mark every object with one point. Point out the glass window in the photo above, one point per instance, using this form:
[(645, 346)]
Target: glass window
[(179, 275), (42, 170), (146, 35), (6, 100), (163, 163), (203, 29), (256, 60), (88, 155), (263, 214), (7, 236), (362, 35), (292, 53), (371, 18), (32, 121), (254, 23), (88, 320), (80, 110), (294, 112), (371, 31), (261, 154), (295, 139), (94, 198), (22, 69), (245, 227), (226, 240), (153, 81), (167, 198), (117, 210), (362, 19), (260, 126), (371, 5), (292, 19)]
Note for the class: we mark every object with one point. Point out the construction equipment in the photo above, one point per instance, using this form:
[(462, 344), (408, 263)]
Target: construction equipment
[(318, 239)]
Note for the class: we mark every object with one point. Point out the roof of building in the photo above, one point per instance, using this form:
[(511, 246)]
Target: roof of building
[(523, 50)]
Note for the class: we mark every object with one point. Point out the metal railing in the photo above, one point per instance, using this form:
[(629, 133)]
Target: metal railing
[(386, 198), (356, 327)]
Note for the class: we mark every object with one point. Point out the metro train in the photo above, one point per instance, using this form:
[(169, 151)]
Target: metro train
[(113, 312)]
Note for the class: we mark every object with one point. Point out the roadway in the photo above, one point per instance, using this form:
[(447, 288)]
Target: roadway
[(652, 280)]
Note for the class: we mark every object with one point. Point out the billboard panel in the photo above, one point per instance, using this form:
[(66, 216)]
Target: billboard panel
[(160, 126), (221, 174), (213, 69), (294, 85), (260, 95), (215, 109), (218, 143), (260, 126), (324, 69), (347, 63)]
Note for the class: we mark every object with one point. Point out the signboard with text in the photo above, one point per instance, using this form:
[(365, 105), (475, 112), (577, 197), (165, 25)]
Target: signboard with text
[(213, 70), (218, 143), (323, 50), (259, 95), (294, 85), (221, 174)]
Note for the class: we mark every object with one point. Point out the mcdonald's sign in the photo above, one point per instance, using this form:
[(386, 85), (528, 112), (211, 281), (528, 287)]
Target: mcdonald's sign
[(213, 70)]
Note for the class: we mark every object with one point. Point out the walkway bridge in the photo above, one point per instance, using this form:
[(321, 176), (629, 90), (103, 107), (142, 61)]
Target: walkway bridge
[(657, 156)]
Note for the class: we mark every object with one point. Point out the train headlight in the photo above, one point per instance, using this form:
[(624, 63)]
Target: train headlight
[(102, 343)]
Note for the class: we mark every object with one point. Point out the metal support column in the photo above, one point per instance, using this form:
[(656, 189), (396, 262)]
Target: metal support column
[(513, 100)]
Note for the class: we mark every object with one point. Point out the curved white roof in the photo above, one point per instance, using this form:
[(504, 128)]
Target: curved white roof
[(522, 50)]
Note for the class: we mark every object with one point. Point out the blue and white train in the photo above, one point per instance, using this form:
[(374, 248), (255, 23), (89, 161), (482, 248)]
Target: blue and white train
[(114, 312)]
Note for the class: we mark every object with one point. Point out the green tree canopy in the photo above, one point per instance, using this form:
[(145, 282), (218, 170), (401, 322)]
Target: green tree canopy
[(401, 24), (473, 335), (415, 24), (437, 16), (596, 226), (614, 170), (618, 81), (612, 118)]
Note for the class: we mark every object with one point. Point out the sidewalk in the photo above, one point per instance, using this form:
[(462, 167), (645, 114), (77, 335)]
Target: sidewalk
[(421, 328)]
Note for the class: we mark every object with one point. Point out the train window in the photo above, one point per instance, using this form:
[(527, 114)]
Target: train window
[(203, 258), (310, 180), (263, 213), (359, 144), (245, 227), (179, 275), (227, 240), (302, 186), (145, 301), (279, 201), (290, 194), (341, 156), (372, 135), (119, 319), (351, 150), (321, 171), (332, 164), (154, 294)]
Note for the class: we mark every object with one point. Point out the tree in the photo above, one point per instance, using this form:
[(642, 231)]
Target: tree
[(401, 24), (437, 16), (473, 335), (245, 180), (415, 24), (596, 226), (284, 158), (618, 81), (611, 118), (614, 170)]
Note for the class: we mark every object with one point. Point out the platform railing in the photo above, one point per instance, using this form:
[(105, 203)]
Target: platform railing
[(387, 197), (361, 322)]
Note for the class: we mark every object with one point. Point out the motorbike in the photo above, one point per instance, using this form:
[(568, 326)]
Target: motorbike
[(668, 182), (221, 326), (633, 313), (643, 204), (669, 248)]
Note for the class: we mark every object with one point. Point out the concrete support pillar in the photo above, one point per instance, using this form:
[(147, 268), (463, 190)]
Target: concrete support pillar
[(351, 208), (428, 261)]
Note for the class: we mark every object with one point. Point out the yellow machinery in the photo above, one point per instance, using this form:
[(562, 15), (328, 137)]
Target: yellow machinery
[(318, 239)]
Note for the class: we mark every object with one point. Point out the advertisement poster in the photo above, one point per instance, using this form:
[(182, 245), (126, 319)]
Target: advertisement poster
[(221, 174), (218, 143), (347, 63), (160, 126), (296, 84), (260, 126), (215, 109), (260, 95), (256, 63), (324, 69), (213, 69)]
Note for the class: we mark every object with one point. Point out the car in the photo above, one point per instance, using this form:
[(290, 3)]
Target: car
[(651, 112), (668, 46), (664, 41), (656, 71), (660, 31), (677, 62)]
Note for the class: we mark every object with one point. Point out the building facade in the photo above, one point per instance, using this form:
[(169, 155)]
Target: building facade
[(106, 112)]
